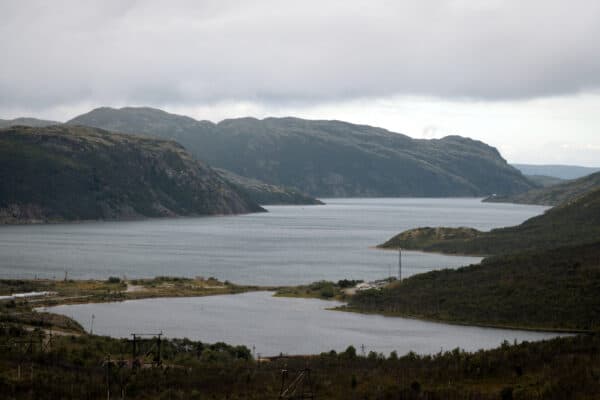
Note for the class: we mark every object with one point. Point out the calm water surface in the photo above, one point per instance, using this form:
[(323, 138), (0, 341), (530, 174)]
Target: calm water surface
[(292, 326), (288, 245)]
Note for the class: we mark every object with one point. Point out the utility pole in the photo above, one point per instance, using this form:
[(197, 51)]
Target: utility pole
[(107, 364), (146, 344), (399, 264)]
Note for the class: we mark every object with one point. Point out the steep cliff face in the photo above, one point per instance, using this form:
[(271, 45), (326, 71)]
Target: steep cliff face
[(327, 158), (65, 173)]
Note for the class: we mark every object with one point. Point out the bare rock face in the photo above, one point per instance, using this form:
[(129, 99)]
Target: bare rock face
[(65, 173)]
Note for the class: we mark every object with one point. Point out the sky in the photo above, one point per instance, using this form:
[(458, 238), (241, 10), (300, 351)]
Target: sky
[(523, 76)]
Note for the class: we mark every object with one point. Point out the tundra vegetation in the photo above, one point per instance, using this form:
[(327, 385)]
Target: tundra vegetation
[(35, 364)]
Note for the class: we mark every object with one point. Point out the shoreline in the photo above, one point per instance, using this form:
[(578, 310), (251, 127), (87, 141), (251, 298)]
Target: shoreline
[(103, 291), (482, 256), (465, 323)]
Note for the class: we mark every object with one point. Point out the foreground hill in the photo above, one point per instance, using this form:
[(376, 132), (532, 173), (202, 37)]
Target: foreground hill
[(63, 173), (549, 289), (572, 223), (327, 158), (264, 193), (556, 171), (553, 195)]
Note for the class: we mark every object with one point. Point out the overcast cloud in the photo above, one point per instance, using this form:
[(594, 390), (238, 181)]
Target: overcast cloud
[(62, 57)]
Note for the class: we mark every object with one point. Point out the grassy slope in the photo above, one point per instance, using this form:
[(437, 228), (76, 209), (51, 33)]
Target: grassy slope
[(74, 173), (327, 158), (552, 289), (575, 222), (554, 194)]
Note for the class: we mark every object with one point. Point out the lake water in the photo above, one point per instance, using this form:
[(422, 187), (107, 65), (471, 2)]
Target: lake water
[(288, 245), (284, 325)]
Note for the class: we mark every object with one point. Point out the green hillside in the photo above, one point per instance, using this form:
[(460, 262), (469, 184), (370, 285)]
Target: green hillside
[(63, 173), (549, 289), (575, 222), (327, 158), (554, 194)]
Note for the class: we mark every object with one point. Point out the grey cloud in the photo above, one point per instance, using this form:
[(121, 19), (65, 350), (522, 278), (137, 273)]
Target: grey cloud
[(186, 52)]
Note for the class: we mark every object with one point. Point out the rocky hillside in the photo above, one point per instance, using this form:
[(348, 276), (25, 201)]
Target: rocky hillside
[(555, 194), (327, 158), (63, 173), (264, 193)]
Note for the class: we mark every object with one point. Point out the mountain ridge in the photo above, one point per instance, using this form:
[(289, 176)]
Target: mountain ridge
[(562, 171), (327, 158), (26, 121)]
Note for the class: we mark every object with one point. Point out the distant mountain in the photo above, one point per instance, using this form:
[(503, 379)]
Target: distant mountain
[(544, 180), (572, 223), (327, 158), (264, 193), (4, 123), (555, 194), (65, 173), (557, 171)]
